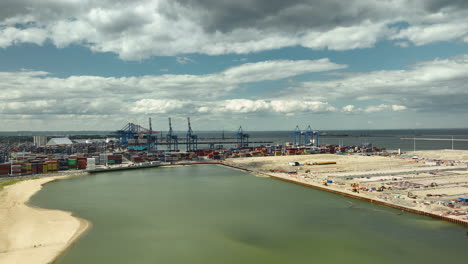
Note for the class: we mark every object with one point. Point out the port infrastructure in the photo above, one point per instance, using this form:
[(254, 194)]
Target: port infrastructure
[(311, 136), (297, 133), (172, 140), (242, 138), (306, 137), (191, 139), (136, 137)]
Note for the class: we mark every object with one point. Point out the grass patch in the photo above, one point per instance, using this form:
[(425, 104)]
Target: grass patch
[(6, 183)]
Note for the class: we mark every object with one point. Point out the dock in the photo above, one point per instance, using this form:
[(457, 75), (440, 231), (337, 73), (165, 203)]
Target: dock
[(146, 165), (435, 139)]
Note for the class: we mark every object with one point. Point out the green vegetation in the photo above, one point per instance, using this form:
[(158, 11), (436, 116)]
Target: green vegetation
[(15, 139), (6, 183)]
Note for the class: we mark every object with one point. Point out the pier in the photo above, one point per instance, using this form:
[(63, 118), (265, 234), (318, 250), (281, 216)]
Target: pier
[(435, 139)]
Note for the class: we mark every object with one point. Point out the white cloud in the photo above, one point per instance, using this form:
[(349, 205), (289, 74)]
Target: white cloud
[(11, 35), (351, 109), (440, 84), (364, 35), (140, 29), (231, 106), (155, 106), (348, 108), (425, 34), (398, 107), (184, 60), (376, 108), (42, 94), (278, 69)]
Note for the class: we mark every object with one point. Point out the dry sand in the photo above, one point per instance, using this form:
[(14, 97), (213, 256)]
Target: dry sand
[(446, 154), (33, 235), (404, 175), (344, 163)]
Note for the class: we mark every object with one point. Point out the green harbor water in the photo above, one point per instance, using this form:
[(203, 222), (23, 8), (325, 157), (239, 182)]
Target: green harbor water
[(210, 214)]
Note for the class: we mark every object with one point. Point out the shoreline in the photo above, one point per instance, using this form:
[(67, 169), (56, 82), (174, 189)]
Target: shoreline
[(338, 191), (30, 234)]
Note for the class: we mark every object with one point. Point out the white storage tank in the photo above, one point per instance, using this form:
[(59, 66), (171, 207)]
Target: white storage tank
[(90, 163)]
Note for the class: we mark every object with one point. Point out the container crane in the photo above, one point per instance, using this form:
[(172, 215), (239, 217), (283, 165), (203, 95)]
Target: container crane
[(171, 139), (297, 133), (136, 137), (191, 139), (242, 138)]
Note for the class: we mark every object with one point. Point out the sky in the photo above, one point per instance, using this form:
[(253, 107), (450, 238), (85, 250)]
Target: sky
[(262, 64)]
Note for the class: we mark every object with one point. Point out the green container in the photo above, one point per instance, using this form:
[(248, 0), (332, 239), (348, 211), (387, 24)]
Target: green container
[(111, 161), (72, 162)]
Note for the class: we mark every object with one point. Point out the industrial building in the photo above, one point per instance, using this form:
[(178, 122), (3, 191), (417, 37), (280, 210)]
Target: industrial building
[(59, 142), (40, 141)]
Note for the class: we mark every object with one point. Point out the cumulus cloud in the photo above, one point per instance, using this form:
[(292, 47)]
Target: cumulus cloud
[(351, 109), (440, 84), (437, 85), (398, 107), (143, 28), (37, 92), (231, 106), (207, 86), (348, 108)]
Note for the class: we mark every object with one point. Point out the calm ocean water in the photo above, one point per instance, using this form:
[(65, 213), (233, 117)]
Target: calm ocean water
[(210, 215)]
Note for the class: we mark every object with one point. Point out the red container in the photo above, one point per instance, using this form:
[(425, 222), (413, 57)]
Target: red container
[(82, 164)]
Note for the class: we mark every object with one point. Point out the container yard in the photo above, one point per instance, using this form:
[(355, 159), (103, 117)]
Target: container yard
[(134, 144)]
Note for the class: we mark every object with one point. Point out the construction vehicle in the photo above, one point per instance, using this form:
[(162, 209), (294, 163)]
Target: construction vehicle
[(355, 187), (412, 196), (382, 188)]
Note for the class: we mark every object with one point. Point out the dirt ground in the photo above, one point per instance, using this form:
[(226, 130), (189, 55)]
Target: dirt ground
[(407, 182)]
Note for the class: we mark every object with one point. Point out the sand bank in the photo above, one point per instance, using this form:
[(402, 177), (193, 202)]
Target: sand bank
[(34, 235)]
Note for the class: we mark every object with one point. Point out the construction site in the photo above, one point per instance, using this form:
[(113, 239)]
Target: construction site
[(426, 181)]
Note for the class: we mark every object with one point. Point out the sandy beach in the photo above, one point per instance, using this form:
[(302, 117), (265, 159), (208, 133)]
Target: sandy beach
[(34, 235)]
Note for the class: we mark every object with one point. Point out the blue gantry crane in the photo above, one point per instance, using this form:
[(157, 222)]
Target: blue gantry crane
[(297, 134), (191, 139), (151, 140), (136, 137), (315, 140), (308, 136), (242, 138), (172, 140), (311, 136)]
